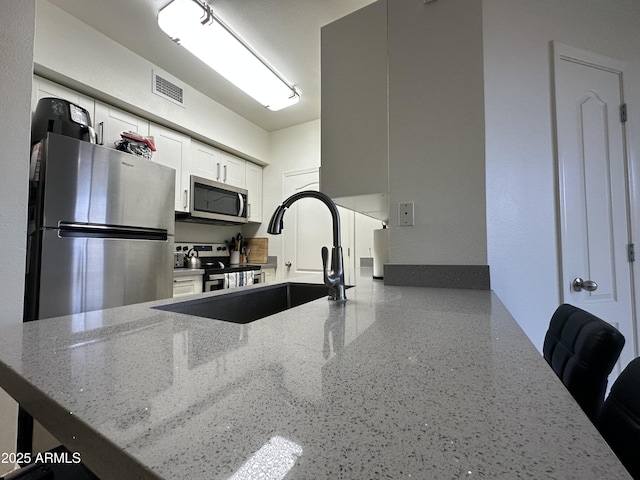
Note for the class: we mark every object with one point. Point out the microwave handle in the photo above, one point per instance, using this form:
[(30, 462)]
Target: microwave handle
[(241, 198)]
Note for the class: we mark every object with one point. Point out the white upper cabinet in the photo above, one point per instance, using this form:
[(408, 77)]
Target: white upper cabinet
[(213, 164), (231, 170), (205, 160), (254, 187), (109, 122), (173, 150), (44, 88)]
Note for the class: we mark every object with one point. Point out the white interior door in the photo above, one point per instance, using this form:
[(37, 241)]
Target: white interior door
[(308, 228), (593, 189)]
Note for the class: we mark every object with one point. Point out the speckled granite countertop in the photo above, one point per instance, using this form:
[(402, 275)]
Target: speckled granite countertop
[(398, 382)]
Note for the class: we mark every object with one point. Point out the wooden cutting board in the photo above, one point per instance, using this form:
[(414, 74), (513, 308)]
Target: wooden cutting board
[(259, 247)]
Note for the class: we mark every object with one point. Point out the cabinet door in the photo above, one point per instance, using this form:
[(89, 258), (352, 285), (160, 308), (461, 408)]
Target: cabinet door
[(44, 88), (233, 170), (205, 161), (254, 187), (269, 274), (172, 150), (110, 122)]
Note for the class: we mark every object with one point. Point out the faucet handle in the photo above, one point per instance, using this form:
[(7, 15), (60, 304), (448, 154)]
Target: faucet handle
[(325, 260), (329, 280)]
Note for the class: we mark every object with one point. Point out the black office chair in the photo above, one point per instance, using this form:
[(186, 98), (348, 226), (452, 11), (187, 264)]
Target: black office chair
[(619, 421), (582, 349)]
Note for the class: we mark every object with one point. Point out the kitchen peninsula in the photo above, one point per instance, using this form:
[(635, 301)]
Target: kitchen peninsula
[(396, 382)]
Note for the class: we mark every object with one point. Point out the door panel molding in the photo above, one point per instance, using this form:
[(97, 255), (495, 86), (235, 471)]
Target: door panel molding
[(596, 162)]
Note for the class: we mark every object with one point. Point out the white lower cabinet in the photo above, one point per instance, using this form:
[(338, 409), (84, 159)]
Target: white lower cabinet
[(186, 285), (269, 275)]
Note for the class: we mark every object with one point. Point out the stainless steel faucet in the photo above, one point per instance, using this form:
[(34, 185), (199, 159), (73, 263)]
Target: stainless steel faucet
[(333, 277)]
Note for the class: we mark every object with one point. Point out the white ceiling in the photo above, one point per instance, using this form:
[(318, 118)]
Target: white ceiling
[(285, 32)]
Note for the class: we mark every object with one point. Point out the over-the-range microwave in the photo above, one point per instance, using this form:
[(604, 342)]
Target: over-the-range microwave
[(217, 202)]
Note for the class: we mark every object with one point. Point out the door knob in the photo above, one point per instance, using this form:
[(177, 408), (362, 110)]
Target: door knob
[(287, 264), (588, 285)]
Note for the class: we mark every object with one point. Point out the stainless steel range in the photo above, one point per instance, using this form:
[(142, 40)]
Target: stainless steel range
[(218, 272)]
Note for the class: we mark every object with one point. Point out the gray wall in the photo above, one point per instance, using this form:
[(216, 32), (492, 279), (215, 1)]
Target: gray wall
[(17, 27), (522, 227), (436, 132)]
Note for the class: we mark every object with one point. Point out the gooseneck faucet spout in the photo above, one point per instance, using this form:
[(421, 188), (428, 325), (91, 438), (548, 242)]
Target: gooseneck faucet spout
[(334, 273)]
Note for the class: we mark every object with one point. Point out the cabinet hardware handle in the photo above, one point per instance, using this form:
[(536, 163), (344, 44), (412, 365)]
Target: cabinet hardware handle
[(218, 171), (186, 201), (101, 125), (225, 174)]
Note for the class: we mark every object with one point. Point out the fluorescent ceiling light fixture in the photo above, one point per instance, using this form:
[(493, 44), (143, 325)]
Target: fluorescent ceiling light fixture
[(192, 24)]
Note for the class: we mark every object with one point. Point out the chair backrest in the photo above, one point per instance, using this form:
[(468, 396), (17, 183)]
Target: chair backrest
[(582, 349), (619, 421)]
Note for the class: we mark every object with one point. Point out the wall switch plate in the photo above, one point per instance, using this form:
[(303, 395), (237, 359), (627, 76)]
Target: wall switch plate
[(406, 217)]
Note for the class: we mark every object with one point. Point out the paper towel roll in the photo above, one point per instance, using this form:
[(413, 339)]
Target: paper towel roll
[(380, 251)]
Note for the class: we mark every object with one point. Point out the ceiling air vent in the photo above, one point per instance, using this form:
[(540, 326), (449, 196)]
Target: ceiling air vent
[(167, 89)]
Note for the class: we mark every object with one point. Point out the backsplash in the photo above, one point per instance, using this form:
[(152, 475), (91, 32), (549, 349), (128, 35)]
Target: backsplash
[(203, 233)]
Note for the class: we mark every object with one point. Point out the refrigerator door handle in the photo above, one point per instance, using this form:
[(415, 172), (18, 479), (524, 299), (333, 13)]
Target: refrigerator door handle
[(94, 230)]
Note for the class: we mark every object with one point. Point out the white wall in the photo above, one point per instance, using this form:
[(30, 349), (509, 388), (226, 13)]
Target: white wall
[(17, 26), (72, 53), (436, 132), (204, 233), (521, 169)]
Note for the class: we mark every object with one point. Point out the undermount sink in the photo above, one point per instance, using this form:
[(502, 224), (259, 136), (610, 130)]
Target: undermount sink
[(247, 305)]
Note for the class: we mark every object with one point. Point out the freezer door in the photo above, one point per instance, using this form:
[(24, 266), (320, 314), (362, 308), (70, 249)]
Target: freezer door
[(88, 183), (80, 274)]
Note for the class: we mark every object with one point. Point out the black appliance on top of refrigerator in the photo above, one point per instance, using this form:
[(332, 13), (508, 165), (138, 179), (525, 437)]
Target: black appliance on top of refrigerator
[(101, 227), (63, 117)]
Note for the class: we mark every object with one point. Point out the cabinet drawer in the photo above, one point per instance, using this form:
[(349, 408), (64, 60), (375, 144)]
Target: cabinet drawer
[(187, 285)]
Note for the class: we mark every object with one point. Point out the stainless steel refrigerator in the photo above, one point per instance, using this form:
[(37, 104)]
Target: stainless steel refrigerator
[(101, 226)]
